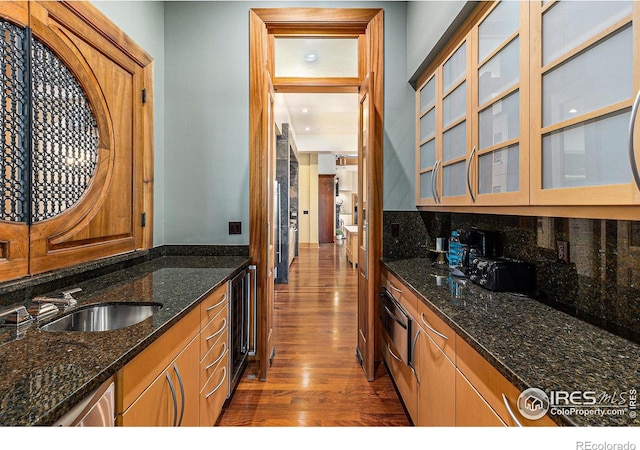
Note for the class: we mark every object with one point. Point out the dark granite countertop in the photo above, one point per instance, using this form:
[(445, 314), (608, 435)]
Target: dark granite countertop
[(531, 344), (44, 374)]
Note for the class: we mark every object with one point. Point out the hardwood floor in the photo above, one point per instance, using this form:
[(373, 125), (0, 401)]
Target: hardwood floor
[(315, 379)]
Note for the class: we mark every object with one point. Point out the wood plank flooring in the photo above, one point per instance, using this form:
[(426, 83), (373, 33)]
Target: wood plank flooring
[(315, 379)]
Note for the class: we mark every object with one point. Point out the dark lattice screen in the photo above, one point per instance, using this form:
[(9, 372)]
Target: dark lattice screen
[(64, 136), (14, 96)]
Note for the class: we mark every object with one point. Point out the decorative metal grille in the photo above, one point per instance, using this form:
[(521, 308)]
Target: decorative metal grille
[(14, 103), (64, 136)]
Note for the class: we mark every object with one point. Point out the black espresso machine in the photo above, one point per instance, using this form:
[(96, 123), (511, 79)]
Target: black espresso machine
[(476, 243)]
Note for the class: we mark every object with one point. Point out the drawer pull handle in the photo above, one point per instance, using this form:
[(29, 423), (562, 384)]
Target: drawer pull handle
[(224, 298), (513, 416), (224, 375), (391, 353), (431, 328), (224, 352), (413, 357), (175, 367), (395, 288), (224, 325)]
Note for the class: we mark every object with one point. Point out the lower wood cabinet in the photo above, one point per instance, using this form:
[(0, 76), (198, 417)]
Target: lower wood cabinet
[(172, 399), (436, 384), (453, 385), (351, 238), (471, 409), (182, 378), (403, 377)]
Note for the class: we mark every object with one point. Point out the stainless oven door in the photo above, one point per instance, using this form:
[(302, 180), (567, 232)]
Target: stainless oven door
[(397, 323)]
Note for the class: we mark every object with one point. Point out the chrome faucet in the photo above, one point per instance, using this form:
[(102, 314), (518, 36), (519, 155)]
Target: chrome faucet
[(64, 298), (16, 317)]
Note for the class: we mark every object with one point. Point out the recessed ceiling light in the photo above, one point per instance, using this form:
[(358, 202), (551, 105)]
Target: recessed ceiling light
[(307, 128), (305, 110), (310, 57)]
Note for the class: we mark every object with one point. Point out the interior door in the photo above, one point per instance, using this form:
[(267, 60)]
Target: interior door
[(269, 143), (366, 300), (326, 208)]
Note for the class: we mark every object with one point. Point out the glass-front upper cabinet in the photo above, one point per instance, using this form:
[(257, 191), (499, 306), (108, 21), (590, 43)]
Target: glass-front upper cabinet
[(443, 137), (498, 166), (586, 77)]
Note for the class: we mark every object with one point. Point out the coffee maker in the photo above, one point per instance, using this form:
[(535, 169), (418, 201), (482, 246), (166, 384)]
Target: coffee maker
[(476, 243)]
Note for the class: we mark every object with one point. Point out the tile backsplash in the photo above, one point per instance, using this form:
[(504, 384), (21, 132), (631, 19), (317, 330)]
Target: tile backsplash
[(601, 281)]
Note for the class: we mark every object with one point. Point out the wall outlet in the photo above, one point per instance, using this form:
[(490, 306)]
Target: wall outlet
[(235, 227), (563, 251), (395, 229)]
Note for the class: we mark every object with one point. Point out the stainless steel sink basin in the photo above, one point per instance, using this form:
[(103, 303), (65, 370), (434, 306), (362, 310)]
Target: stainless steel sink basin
[(103, 317)]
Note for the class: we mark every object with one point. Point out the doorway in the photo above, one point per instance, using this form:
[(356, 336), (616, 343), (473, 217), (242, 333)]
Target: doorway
[(366, 27), (326, 208)]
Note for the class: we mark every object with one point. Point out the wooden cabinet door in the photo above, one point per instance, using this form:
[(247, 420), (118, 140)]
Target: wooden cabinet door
[(106, 217), (471, 410), (585, 78), (172, 398), (436, 384)]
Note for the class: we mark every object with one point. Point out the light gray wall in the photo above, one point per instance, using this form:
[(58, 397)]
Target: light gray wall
[(202, 109), (427, 23), (143, 21), (207, 116)]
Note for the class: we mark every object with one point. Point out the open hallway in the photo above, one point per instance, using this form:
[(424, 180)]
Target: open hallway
[(315, 379)]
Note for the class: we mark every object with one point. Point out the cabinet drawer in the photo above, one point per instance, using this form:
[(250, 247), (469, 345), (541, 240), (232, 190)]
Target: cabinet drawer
[(212, 305), (493, 386), (214, 394), (214, 331), (403, 377), (401, 293), (211, 361), (440, 332)]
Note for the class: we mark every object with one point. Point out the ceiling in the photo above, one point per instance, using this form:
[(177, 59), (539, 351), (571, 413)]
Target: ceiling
[(322, 123)]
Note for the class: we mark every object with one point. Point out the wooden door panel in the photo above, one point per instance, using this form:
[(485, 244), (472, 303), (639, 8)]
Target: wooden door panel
[(326, 208), (107, 218)]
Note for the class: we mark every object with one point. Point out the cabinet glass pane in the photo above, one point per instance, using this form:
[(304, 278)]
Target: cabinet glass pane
[(454, 179), (566, 25), (597, 78), (454, 142), (428, 95), (499, 171), (454, 105), (499, 73), (503, 21), (455, 68), (500, 122), (427, 125), (425, 185), (428, 154), (589, 154)]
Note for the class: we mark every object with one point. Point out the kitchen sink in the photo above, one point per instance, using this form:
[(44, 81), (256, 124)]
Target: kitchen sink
[(103, 317)]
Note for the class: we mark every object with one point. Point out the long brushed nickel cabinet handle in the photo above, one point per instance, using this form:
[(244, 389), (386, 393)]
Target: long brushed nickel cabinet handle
[(175, 400), (632, 127), (473, 197), (175, 367), (513, 416), (413, 358), (433, 182), (424, 322)]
